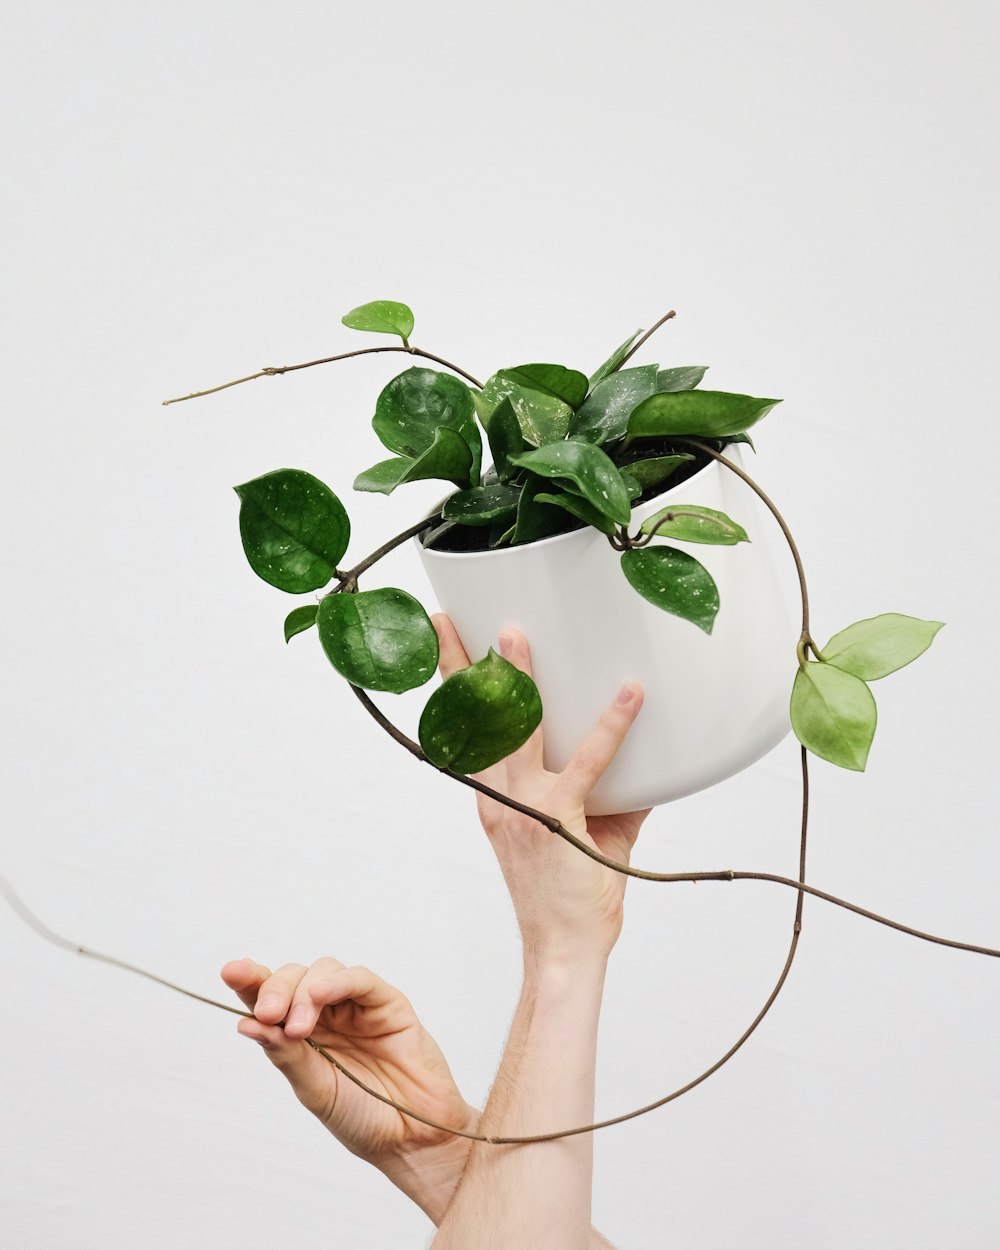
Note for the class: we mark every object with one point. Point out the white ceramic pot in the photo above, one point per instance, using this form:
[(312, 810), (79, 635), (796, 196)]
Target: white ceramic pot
[(714, 704)]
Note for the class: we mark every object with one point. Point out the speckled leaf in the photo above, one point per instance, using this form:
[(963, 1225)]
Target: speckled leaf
[(536, 520), (833, 714), (542, 418), (448, 457), (632, 485), (656, 469), (591, 472), (710, 414), (483, 505), (480, 715), (675, 582), (384, 316), (605, 413), (614, 361), (300, 619), (384, 476), (294, 529), (680, 378), (503, 431), (692, 524), (419, 401), (880, 645), (580, 508), (379, 639), (556, 381)]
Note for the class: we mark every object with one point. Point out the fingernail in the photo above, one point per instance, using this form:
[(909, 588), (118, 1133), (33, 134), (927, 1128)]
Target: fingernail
[(298, 1016), (506, 643), (626, 694)]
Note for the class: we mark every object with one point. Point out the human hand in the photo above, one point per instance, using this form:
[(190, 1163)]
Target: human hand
[(371, 1028), (567, 905)]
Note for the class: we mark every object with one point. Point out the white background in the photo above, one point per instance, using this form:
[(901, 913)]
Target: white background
[(191, 191)]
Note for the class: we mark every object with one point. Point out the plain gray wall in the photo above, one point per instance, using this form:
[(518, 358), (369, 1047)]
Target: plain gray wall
[(192, 191)]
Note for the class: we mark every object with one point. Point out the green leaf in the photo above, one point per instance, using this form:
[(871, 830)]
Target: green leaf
[(614, 361), (580, 508), (483, 505), (503, 430), (556, 381), (605, 413), (591, 472), (710, 414), (294, 529), (833, 715), (675, 582), (384, 316), (542, 418), (536, 520), (479, 716), (383, 477), (300, 619), (448, 457), (656, 469), (379, 639), (692, 524), (880, 645), (632, 484), (680, 378), (416, 403)]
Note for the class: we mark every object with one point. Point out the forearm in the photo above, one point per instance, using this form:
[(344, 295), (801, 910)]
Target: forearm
[(540, 1194)]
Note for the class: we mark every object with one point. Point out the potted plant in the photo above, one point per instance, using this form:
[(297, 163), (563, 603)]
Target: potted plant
[(617, 527)]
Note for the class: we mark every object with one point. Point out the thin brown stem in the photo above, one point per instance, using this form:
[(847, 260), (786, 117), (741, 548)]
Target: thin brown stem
[(273, 371), (648, 335)]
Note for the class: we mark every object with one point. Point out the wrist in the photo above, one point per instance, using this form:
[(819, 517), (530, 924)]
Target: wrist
[(429, 1174), (556, 965)]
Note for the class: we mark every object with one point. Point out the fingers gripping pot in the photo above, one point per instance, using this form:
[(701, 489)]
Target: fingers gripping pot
[(714, 704)]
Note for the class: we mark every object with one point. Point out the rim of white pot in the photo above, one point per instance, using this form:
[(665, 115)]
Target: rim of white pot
[(541, 542)]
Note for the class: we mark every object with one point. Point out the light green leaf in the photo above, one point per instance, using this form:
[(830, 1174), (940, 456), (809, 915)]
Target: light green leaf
[(383, 477), (300, 619), (880, 645), (591, 472), (656, 469), (632, 485), (483, 505), (680, 378), (384, 316), (605, 413), (379, 639), (416, 403), (833, 715), (294, 529), (709, 414), (480, 715), (691, 524), (614, 361), (580, 508), (556, 381), (675, 582), (542, 418)]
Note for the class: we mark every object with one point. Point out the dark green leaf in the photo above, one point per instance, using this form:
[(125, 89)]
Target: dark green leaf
[(416, 404), (614, 361), (379, 639), (880, 645), (536, 520), (691, 524), (483, 505), (383, 477), (294, 529), (605, 413), (504, 539), (479, 716), (300, 619), (556, 381), (632, 485), (384, 316), (580, 508), (592, 473), (656, 469), (503, 430), (680, 378), (448, 457), (710, 414), (675, 582), (542, 418), (738, 438), (833, 715)]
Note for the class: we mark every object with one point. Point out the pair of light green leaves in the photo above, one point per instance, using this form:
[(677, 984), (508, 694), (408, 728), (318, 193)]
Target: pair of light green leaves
[(832, 708)]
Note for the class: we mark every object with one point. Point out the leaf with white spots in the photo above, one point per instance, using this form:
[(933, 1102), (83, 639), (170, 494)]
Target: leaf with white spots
[(675, 582), (294, 529), (589, 471), (383, 316), (378, 639), (690, 523)]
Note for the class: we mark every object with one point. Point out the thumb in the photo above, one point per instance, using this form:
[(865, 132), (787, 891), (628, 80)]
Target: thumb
[(312, 1078)]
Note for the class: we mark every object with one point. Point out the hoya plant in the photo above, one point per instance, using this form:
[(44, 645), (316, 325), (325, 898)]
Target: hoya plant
[(536, 450)]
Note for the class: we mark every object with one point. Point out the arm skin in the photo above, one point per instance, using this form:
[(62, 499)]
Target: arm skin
[(570, 912)]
